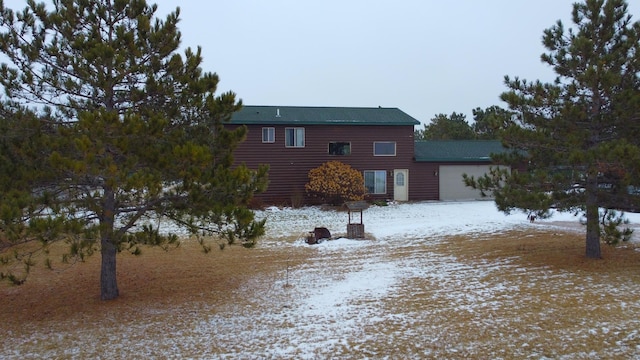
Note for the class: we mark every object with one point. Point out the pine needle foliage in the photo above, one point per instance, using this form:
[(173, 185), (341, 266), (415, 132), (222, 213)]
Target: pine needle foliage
[(109, 131), (578, 137)]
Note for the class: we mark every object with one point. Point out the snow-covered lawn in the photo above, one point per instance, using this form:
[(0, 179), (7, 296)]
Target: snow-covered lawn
[(404, 222), (400, 294), (328, 309)]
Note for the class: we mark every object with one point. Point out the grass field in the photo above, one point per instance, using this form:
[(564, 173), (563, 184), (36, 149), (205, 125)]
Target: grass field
[(523, 293)]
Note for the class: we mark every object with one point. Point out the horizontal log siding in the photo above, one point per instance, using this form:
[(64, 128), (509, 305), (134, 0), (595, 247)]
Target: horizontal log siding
[(289, 166), (423, 181)]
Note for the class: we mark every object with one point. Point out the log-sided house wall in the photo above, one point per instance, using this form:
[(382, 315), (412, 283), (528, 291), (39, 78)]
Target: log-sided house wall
[(419, 162), (289, 166), (424, 183)]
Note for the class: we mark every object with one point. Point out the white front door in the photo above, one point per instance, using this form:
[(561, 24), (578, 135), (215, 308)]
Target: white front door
[(400, 185)]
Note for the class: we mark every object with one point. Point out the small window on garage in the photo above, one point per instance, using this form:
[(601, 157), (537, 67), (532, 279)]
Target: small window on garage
[(339, 148)]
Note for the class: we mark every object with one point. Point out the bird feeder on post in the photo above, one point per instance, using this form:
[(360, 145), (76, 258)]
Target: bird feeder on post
[(355, 230)]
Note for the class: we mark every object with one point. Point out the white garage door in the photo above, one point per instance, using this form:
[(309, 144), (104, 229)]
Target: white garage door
[(452, 185)]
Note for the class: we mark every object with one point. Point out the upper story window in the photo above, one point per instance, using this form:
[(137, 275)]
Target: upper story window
[(339, 148), (268, 135), (384, 148), (294, 137)]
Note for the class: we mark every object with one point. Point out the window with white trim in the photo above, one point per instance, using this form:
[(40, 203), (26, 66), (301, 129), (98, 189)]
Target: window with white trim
[(384, 148), (375, 181), (268, 135), (294, 137)]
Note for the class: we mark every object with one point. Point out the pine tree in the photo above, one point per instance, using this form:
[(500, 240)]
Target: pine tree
[(443, 127), (490, 122), (580, 134), (128, 132)]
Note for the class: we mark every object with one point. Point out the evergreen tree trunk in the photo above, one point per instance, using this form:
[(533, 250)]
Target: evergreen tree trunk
[(108, 279), (593, 219)]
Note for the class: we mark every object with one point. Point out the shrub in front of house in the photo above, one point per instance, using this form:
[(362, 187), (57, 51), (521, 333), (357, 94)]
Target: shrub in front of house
[(335, 182)]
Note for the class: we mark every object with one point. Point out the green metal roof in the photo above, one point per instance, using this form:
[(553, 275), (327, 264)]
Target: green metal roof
[(457, 150), (305, 115)]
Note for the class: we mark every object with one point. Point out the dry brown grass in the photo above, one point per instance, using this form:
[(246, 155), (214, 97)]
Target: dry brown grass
[(531, 293), (554, 249), (155, 277)]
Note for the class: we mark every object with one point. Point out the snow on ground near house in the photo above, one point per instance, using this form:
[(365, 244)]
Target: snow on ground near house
[(412, 220), (314, 311)]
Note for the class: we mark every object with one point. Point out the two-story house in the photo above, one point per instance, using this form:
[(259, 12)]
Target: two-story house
[(379, 142), (293, 140)]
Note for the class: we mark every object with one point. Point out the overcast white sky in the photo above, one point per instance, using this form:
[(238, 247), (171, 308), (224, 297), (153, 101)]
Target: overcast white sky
[(425, 57)]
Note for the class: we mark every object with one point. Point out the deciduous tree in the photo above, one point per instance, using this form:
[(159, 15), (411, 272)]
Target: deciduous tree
[(580, 134), (335, 182), (123, 133)]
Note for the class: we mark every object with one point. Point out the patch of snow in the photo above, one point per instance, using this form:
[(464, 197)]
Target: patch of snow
[(316, 312)]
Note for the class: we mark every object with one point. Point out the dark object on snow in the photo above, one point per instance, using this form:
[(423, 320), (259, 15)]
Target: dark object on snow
[(321, 233), (318, 235)]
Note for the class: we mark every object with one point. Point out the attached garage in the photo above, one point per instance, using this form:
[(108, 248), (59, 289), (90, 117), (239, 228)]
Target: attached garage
[(454, 158), (452, 186)]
